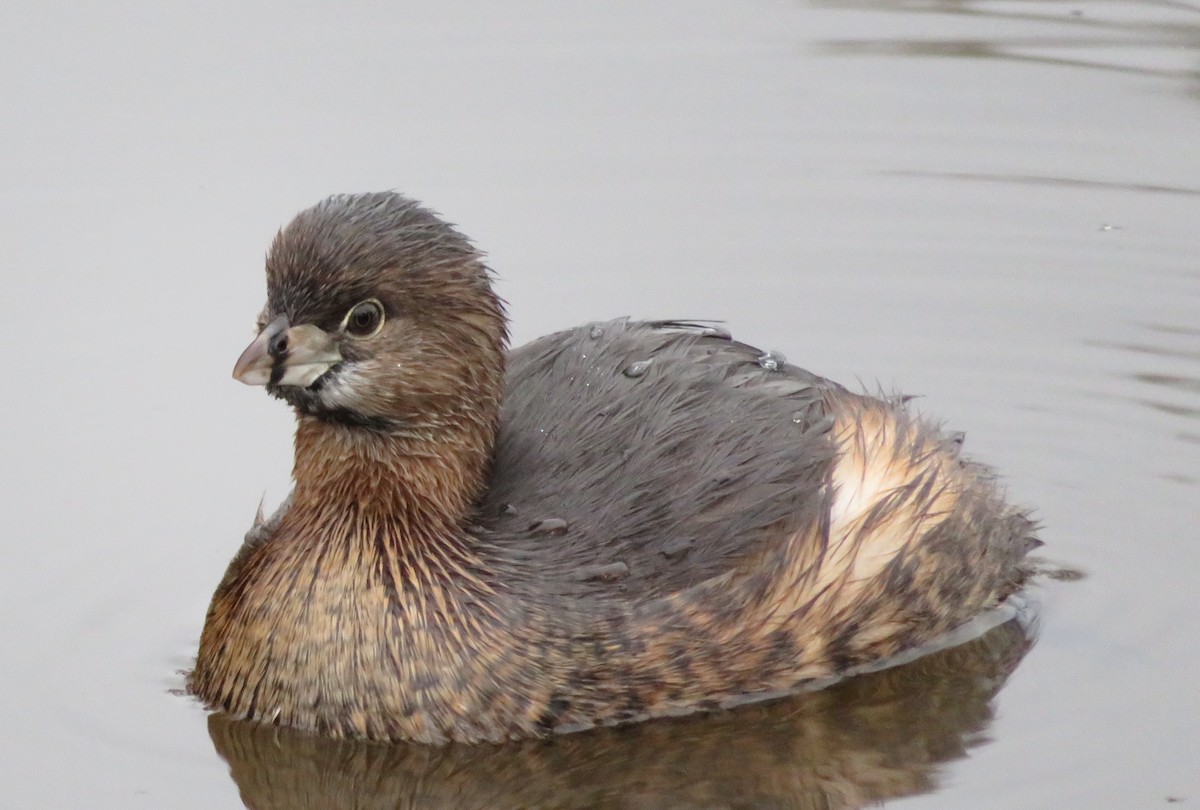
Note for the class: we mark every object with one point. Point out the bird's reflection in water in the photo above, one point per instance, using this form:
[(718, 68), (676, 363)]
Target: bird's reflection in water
[(871, 738)]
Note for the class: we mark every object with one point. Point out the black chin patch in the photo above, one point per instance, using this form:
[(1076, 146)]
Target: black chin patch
[(348, 418), (306, 401)]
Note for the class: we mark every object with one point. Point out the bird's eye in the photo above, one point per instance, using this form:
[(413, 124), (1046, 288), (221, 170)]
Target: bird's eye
[(364, 319)]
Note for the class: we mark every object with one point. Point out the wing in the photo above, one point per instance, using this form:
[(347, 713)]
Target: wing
[(648, 457)]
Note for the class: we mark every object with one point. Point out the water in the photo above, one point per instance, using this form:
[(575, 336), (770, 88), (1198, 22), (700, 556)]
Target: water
[(772, 360), (637, 369), (991, 204)]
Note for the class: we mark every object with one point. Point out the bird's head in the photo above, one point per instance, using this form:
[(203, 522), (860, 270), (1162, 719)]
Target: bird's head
[(379, 315)]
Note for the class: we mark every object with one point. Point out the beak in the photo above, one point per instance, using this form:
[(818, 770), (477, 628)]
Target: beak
[(283, 355)]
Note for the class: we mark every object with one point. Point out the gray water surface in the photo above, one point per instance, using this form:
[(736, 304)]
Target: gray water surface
[(995, 205)]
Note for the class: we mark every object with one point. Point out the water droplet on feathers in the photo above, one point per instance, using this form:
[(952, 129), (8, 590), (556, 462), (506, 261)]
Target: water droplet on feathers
[(635, 370), (549, 526), (771, 361), (674, 549), (603, 571)]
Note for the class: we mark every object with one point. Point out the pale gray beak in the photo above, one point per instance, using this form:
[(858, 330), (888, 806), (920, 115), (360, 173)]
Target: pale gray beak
[(284, 355)]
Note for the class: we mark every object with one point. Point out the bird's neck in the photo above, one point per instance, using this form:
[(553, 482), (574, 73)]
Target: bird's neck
[(326, 622), (428, 480)]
